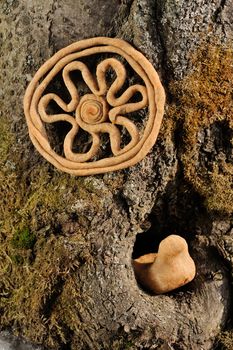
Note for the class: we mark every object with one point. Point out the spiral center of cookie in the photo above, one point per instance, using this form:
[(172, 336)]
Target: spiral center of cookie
[(92, 109)]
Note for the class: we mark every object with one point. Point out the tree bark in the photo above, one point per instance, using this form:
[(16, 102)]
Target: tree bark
[(73, 286)]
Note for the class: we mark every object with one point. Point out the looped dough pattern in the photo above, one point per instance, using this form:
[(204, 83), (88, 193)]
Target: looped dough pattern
[(102, 110)]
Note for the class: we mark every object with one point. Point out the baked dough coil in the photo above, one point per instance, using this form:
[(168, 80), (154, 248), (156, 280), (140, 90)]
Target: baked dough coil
[(104, 110)]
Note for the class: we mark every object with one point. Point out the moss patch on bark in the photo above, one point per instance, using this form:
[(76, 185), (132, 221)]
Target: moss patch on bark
[(202, 108), (44, 220)]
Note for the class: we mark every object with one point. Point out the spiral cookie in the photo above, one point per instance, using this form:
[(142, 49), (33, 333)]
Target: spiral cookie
[(105, 109)]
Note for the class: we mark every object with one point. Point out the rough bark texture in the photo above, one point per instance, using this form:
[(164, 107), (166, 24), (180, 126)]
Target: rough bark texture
[(67, 242)]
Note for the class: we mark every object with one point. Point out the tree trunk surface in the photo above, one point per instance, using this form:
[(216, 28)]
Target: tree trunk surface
[(67, 242)]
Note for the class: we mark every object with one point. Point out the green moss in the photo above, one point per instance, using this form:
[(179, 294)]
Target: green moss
[(225, 340), (35, 289), (23, 239), (202, 111), (128, 345), (39, 298), (17, 259)]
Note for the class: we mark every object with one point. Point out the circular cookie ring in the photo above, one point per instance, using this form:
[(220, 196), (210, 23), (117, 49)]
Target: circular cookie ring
[(65, 60)]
